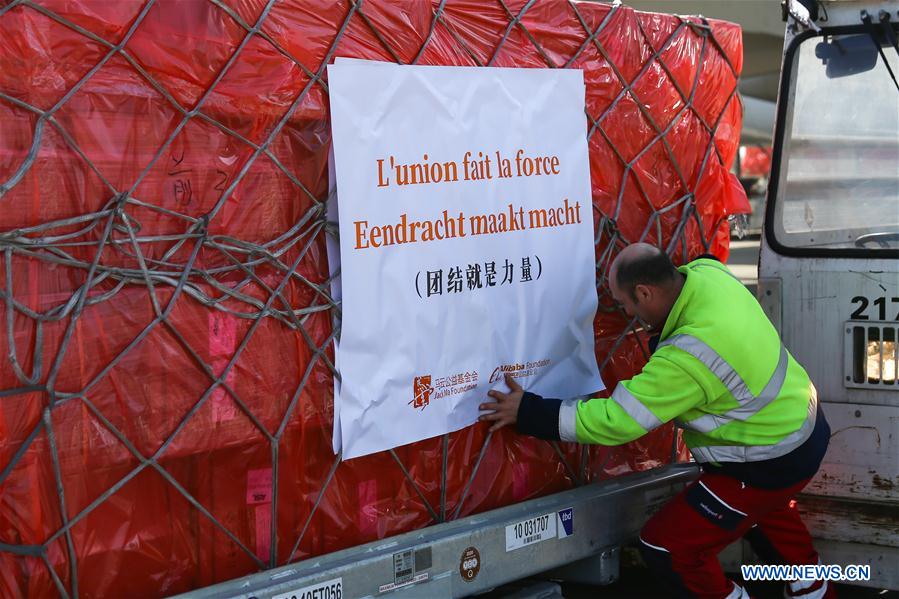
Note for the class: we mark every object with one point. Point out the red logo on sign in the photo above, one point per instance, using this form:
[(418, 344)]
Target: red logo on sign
[(421, 391)]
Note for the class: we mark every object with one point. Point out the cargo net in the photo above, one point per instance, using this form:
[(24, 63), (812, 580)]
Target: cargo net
[(167, 329)]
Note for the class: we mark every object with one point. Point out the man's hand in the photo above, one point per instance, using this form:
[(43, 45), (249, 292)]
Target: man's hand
[(505, 408)]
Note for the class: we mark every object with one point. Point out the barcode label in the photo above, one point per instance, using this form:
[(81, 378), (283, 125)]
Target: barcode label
[(530, 531)]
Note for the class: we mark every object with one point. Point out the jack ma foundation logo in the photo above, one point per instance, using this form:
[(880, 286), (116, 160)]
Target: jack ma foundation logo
[(421, 391), (424, 390)]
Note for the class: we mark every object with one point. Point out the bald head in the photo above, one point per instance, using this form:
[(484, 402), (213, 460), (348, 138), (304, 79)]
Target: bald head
[(644, 282), (642, 264)]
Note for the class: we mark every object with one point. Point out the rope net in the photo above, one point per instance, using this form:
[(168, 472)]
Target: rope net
[(166, 385)]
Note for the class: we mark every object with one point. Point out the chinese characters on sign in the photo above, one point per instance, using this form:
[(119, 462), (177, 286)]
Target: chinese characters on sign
[(456, 279)]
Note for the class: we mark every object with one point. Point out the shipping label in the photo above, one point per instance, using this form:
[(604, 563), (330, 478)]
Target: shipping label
[(530, 531), (330, 589)]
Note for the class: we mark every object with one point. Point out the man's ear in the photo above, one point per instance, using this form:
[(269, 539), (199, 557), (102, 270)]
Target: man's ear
[(643, 293)]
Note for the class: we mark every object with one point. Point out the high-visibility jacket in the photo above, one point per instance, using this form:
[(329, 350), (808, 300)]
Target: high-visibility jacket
[(720, 370)]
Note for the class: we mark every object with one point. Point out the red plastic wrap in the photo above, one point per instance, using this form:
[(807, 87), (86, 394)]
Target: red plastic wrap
[(166, 381), (755, 161)]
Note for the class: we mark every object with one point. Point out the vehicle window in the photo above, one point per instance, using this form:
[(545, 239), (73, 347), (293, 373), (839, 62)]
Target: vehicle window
[(839, 181)]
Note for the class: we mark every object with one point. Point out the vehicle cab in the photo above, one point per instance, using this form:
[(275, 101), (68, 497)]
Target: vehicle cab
[(829, 263)]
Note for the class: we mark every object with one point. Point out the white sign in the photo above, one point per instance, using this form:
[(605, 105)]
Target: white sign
[(466, 244)]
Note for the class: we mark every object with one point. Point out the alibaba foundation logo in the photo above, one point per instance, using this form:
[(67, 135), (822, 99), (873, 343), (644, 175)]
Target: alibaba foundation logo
[(421, 391), (518, 370)]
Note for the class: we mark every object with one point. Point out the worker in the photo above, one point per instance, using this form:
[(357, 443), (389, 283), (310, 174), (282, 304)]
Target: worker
[(750, 415)]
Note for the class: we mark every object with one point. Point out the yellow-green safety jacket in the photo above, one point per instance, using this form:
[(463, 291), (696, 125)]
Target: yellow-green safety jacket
[(720, 370)]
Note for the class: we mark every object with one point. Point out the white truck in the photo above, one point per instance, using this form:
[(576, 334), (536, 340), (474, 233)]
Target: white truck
[(829, 264), (828, 279)]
